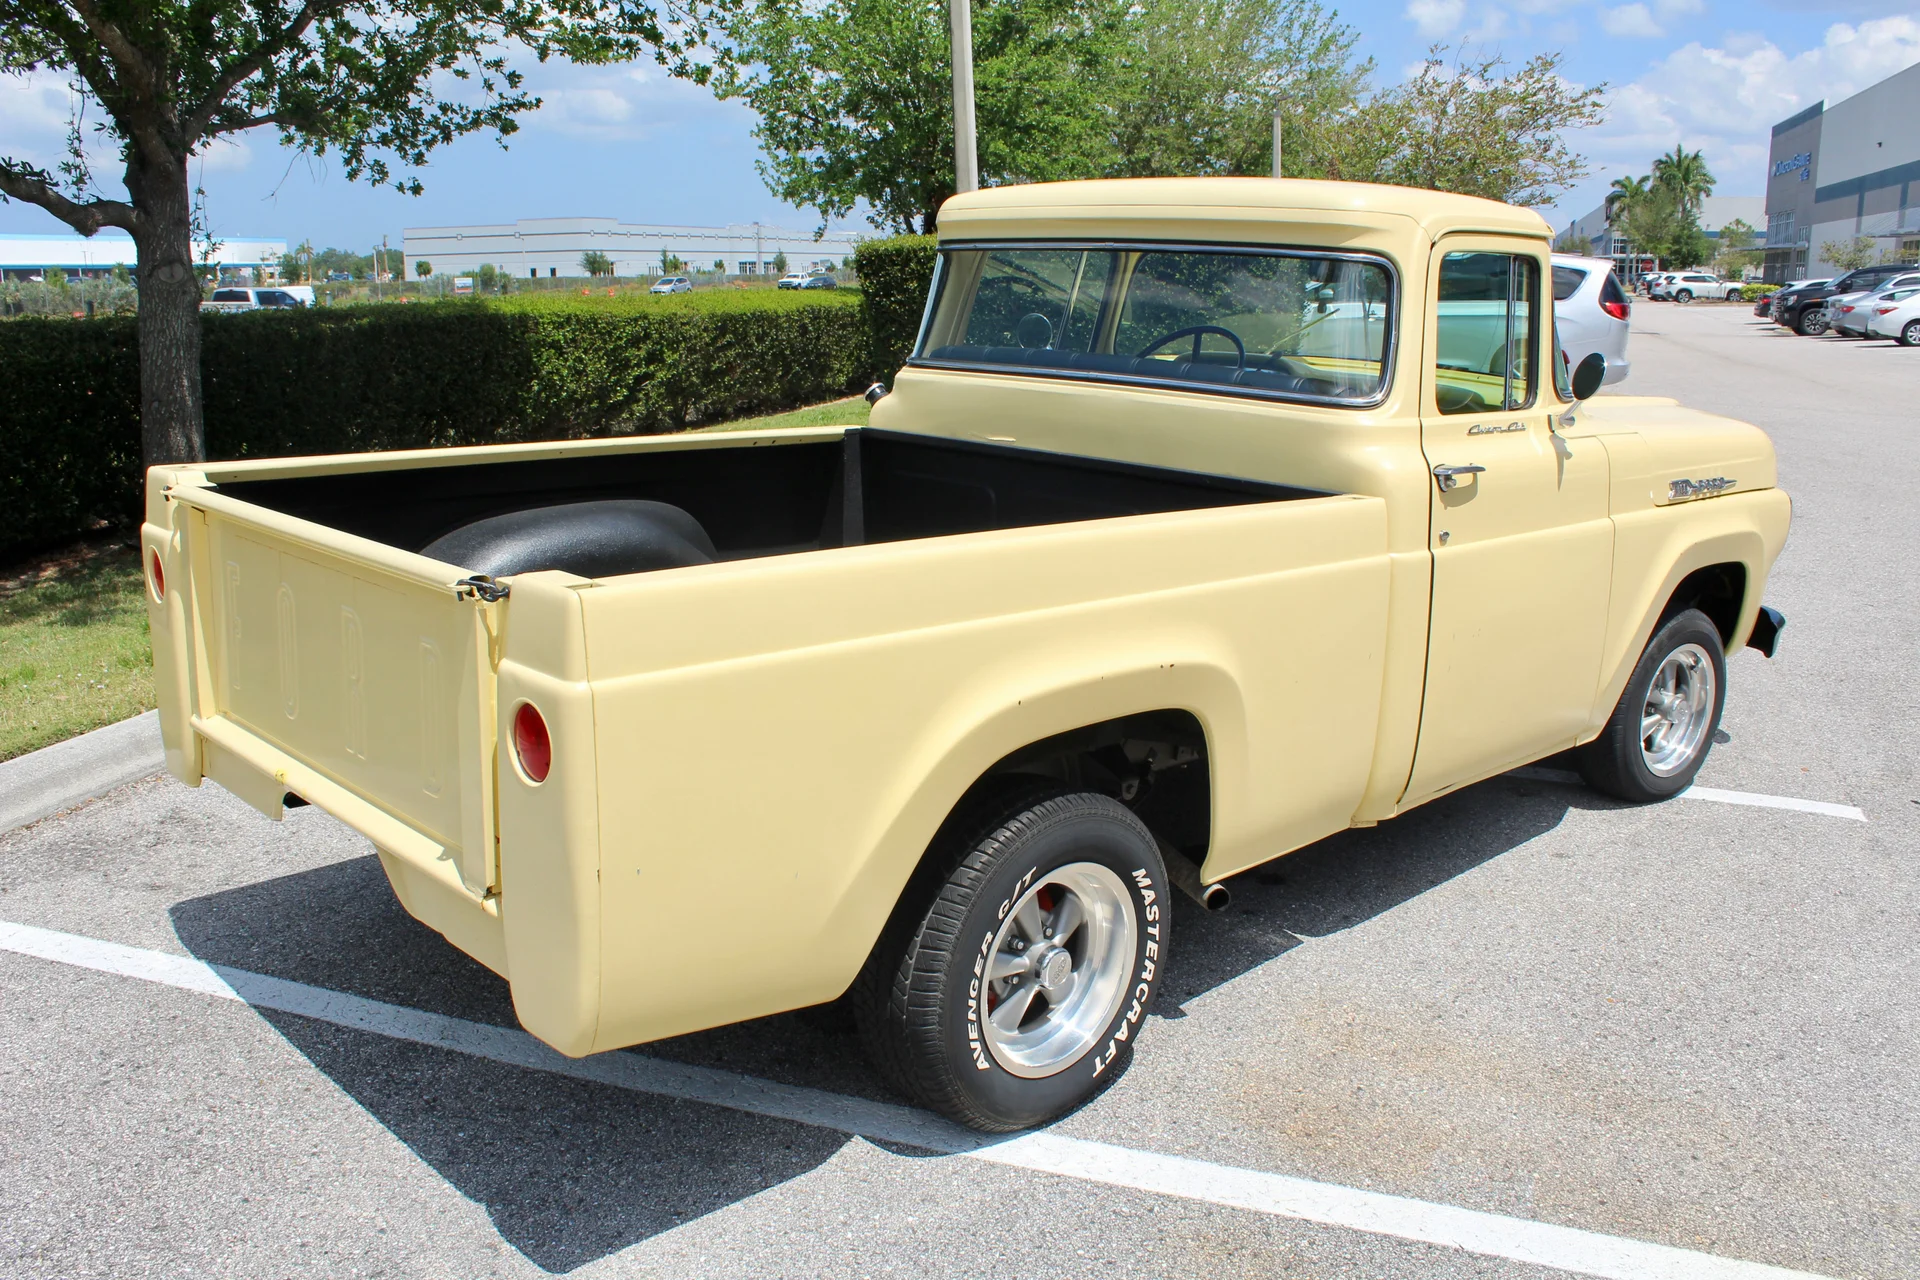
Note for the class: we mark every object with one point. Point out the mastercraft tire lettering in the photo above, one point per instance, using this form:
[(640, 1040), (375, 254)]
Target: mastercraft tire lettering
[(1022, 986)]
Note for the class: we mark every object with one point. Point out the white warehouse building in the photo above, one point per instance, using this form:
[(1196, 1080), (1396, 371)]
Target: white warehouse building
[(25, 256), (554, 247)]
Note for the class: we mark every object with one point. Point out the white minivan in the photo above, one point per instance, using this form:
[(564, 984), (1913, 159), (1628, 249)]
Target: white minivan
[(1591, 310)]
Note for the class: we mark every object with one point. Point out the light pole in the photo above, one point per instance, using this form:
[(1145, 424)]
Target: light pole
[(1276, 142), (966, 156)]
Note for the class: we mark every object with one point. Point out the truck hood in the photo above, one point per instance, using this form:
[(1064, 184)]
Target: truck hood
[(1683, 454)]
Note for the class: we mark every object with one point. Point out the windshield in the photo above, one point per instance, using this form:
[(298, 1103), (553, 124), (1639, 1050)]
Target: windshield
[(1262, 322)]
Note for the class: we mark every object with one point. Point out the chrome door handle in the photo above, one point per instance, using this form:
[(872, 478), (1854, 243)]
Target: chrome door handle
[(1449, 477)]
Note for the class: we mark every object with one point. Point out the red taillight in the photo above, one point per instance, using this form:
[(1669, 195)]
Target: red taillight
[(1618, 310), (1881, 311), (531, 745), (159, 577)]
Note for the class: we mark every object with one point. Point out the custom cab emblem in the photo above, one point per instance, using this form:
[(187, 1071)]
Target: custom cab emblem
[(1492, 429), (1678, 490)]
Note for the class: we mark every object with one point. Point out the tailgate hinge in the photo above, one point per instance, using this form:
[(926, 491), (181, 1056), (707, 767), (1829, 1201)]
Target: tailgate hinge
[(481, 587)]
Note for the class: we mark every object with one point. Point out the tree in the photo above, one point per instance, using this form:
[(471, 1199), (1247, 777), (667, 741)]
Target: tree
[(1193, 86), (855, 97), (1847, 255), (380, 82), (1468, 127), (1573, 242), (1623, 192), (1662, 227), (1685, 174), (596, 263), (423, 268), (780, 263), (1736, 252)]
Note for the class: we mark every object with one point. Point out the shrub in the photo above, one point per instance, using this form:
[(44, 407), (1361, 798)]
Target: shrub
[(349, 379), (1755, 292), (895, 275)]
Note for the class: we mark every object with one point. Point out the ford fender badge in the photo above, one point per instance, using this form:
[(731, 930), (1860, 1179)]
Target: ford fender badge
[(1678, 490)]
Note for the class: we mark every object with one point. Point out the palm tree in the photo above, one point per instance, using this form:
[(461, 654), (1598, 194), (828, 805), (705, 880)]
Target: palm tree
[(1624, 194), (1685, 174)]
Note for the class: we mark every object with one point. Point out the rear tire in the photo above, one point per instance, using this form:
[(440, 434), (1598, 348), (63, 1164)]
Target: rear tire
[(1910, 335), (1662, 729), (1685, 295), (1011, 986)]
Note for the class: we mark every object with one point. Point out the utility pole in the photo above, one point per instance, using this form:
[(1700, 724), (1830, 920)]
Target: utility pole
[(1276, 143), (756, 249), (966, 155)]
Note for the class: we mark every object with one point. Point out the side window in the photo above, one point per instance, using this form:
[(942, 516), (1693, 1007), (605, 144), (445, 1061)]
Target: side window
[(1487, 332), (1567, 282)]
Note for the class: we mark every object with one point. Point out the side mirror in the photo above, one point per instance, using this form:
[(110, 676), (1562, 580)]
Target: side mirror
[(1323, 297), (1588, 377)]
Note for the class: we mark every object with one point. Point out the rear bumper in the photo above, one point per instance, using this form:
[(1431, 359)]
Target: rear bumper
[(1767, 627)]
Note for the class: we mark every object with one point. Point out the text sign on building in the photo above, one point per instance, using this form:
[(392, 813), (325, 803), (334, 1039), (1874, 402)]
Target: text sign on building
[(1803, 162)]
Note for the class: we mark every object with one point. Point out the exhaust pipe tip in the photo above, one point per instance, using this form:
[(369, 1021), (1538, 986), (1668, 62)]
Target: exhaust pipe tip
[(1186, 878), (1216, 897)]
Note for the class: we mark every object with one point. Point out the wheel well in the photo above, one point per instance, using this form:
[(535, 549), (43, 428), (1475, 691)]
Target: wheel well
[(1154, 762), (1719, 591)]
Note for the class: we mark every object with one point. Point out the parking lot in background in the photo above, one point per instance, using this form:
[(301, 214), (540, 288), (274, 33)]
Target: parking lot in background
[(1690, 1025)]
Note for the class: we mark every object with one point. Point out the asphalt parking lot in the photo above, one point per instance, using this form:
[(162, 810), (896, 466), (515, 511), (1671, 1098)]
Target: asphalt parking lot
[(1691, 1026)]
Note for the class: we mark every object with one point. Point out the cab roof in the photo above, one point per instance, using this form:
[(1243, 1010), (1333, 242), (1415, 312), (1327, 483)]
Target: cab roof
[(1204, 208)]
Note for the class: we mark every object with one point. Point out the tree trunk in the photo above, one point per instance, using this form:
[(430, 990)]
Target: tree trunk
[(171, 426)]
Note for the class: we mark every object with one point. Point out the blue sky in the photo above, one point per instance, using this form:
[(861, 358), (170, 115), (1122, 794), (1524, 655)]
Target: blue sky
[(631, 143)]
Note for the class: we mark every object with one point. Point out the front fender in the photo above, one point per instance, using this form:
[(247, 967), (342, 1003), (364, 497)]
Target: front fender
[(1655, 549)]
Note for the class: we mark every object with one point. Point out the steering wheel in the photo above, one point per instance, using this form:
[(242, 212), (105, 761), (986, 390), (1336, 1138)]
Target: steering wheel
[(1196, 332)]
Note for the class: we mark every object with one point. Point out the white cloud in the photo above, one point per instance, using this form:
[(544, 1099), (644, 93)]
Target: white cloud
[(1630, 20), (225, 154), (1724, 99), (1436, 17)]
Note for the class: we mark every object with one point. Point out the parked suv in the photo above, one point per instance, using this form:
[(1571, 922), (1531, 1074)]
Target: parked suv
[(1689, 285), (1804, 310), (1591, 312)]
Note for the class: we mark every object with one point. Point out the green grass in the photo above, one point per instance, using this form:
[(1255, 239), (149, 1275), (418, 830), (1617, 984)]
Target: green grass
[(74, 653), (851, 412), (73, 648)]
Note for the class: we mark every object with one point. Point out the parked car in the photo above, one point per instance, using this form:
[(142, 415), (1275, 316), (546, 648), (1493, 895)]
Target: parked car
[(1287, 526), (1688, 285), (1896, 314), (820, 282), (1847, 313), (793, 280), (1591, 310), (672, 284), (1804, 310), (1774, 301), (230, 298)]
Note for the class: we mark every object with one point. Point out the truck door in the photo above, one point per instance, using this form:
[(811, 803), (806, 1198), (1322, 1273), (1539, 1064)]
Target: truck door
[(1522, 545)]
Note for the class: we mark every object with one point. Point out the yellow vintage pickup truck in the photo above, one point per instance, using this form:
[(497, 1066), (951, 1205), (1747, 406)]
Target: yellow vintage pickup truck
[(1208, 517)]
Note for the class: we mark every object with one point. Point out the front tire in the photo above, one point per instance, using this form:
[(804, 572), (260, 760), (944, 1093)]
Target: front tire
[(1810, 323), (1663, 726), (1017, 992)]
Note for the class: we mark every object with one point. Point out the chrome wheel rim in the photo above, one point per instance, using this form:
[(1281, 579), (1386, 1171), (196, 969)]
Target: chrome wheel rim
[(1058, 969), (1678, 712)]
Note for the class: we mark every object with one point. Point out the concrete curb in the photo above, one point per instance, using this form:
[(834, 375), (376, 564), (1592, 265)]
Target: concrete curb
[(79, 769)]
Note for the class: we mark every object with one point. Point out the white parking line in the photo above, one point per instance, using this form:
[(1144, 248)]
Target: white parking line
[(1487, 1234), (1753, 799)]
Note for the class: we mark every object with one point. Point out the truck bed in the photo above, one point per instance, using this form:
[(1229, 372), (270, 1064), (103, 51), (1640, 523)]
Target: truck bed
[(868, 486)]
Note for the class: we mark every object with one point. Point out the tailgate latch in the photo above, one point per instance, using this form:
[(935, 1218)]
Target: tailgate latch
[(481, 587)]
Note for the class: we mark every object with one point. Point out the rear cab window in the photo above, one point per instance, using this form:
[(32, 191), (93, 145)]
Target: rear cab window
[(1262, 322), (1486, 331)]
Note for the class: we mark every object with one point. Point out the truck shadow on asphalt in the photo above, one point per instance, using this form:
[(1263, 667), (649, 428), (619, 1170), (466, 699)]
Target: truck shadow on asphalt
[(571, 1171)]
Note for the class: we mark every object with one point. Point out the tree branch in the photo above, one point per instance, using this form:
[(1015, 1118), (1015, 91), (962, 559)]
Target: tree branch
[(23, 182), (125, 53), (202, 115)]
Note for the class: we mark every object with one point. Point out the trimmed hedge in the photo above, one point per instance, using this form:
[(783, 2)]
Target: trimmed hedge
[(895, 275), (349, 379), (1755, 292)]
